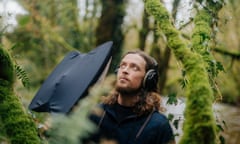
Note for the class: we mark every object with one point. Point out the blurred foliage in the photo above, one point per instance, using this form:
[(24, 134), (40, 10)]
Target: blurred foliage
[(47, 33), (75, 126), (228, 40)]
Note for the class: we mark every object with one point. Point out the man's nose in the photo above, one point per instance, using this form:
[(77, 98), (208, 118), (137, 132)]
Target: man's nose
[(125, 69)]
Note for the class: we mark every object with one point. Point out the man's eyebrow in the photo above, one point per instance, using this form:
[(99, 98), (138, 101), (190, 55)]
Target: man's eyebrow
[(122, 62), (138, 66)]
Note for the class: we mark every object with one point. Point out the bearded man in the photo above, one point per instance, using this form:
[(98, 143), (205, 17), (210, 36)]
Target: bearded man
[(132, 112)]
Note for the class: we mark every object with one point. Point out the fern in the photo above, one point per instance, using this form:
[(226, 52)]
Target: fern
[(22, 75)]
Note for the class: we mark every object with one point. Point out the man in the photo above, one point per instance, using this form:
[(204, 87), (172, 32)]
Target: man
[(131, 113)]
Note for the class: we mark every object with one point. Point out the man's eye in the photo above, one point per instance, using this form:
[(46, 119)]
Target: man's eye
[(122, 66), (135, 68)]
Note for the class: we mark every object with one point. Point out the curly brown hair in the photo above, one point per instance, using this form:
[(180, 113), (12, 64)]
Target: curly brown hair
[(149, 100)]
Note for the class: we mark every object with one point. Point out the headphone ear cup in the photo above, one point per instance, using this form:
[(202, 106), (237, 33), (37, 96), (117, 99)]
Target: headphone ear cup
[(150, 80)]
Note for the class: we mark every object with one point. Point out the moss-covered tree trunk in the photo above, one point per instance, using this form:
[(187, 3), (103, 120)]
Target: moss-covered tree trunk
[(199, 124), (18, 126)]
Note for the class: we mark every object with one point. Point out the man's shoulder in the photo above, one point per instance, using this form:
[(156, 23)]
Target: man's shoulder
[(159, 118), (97, 110)]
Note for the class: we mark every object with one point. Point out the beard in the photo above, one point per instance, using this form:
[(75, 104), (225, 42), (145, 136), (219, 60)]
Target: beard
[(127, 90)]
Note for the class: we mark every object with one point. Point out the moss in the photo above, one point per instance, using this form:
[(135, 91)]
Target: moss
[(203, 36), (199, 125), (17, 125), (6, 66), (202, 32)]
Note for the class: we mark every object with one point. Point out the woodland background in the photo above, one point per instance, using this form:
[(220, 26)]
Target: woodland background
[(47, 30)]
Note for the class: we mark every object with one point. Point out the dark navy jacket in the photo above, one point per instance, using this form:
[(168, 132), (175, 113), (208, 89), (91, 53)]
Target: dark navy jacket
[(156, 131)]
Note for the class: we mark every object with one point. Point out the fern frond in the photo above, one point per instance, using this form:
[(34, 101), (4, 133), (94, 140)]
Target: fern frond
[(22, 75)]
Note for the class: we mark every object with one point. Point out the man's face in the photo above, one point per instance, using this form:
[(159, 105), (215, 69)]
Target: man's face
[(130, 74)]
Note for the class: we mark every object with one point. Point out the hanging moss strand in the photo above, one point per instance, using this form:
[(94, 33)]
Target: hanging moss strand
[(202, 33), (201, 39), (199, 125)]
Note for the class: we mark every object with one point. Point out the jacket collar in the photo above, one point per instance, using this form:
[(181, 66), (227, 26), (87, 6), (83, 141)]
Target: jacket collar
[(110, 109)]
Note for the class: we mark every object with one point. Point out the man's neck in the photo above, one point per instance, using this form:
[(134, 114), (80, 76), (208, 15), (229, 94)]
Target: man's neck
[(128, 100)]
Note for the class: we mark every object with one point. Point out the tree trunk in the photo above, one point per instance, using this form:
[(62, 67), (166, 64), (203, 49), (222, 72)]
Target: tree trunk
[(163, 57), (144, 31), (109, 28), (199, 124)]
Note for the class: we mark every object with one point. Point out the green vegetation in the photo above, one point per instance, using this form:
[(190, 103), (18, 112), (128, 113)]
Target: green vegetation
[(18, 126), (199, 125), (203, 46)]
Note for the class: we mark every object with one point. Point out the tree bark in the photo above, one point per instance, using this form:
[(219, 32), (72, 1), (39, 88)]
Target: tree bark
[(109, 28)]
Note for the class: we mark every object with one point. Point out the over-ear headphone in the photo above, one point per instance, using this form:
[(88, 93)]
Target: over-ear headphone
[(151, 77)]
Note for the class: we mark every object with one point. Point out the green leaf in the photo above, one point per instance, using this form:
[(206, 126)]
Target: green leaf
[(222, 139), (24, 20), (170, 117), (220, 127), (22, 75), (220, 66), (172, 99), (176, 123)]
